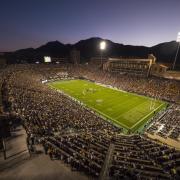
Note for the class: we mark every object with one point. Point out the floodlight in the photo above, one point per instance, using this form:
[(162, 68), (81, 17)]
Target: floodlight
[(178, 40), (102, 45), (178, 37), (47, 59)]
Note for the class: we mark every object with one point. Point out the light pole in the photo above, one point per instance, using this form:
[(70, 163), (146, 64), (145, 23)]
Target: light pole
[(102, 48), (178, 41)]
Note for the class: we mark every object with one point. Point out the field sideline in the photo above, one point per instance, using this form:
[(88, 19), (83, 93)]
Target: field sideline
[(124, 109)]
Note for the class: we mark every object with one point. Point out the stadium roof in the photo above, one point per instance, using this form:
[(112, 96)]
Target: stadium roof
[(128, 59)]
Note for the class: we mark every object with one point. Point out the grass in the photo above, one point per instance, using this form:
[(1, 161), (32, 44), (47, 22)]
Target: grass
[(127, 110)]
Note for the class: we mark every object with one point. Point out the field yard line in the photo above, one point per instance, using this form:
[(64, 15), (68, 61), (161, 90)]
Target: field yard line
[(129, 110), (105, 115), (145, 116), (132, 93), (110, 87), (89, 106)]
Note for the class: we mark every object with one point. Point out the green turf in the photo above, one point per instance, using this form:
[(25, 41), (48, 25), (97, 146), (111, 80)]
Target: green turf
[(124, 109)]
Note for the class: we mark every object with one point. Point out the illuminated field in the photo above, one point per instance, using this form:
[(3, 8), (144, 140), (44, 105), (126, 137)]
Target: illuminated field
[(124, 109)]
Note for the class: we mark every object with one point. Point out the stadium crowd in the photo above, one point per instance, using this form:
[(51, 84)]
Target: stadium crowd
[(77, 136), (138, 156), (159, 88), (167, 125), (48, 111)]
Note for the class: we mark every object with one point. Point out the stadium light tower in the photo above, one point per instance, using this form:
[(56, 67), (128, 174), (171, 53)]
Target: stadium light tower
[(178, 41), (102, 48)]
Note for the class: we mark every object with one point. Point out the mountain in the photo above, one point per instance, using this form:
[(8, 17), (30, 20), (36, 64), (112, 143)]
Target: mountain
[(90, 48), (165, 52), (54, 48)]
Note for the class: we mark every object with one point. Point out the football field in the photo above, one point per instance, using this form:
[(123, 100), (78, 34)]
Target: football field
[(127, 110)]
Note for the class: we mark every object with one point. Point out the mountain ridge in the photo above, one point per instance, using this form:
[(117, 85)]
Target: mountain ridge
[(165, 52)]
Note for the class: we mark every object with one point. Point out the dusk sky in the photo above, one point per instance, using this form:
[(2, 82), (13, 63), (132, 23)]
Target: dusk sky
[(31, 23)]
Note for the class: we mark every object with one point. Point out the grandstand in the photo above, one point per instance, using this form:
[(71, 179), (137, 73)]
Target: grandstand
[(130, 65), (73, 121)]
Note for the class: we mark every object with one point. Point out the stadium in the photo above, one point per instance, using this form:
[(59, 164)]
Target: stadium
[(107, 125), (90, 90)]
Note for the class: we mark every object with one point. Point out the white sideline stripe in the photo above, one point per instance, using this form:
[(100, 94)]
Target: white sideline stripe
[(129, 110), (105, 116), (146, 116), (120, 90), (101, 114)]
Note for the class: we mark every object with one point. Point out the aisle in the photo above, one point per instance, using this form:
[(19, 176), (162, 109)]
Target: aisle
[(19, 165)]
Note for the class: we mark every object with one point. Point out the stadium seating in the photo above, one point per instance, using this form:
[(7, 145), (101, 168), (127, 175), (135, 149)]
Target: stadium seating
[(167, 125), (78, 137)]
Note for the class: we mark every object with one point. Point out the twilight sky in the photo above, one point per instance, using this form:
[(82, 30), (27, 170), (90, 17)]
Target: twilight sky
[(31, 23)]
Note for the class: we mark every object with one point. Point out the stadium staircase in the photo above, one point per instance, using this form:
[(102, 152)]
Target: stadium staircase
[(105, 169)]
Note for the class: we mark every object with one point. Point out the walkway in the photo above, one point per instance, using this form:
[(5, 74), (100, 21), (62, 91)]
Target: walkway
[(104, 172), (19, 165)]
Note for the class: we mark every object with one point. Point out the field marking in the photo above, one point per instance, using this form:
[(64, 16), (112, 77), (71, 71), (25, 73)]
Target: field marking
[(99, 113), (103, 114), (106, 116), (132, 109), (146, 116), (127, 92), (112, 88)]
